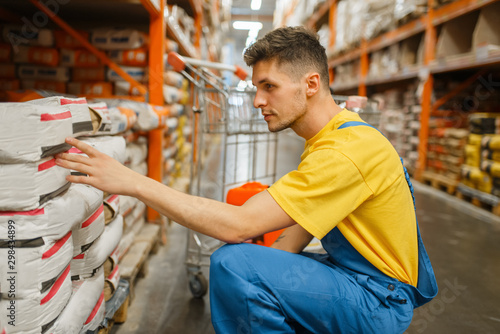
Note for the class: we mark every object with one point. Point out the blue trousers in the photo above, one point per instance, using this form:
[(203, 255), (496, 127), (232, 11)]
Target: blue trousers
[(256, 289)]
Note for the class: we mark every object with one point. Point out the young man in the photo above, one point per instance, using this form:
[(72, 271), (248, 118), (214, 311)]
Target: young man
[(349, 190)]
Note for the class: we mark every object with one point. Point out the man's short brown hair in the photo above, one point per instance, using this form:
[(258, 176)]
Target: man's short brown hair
[(296, 49)]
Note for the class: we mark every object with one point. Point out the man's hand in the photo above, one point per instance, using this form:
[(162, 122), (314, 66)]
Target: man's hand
[(103, 172)]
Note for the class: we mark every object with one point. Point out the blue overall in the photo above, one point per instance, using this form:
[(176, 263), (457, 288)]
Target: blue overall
[(256, 289)]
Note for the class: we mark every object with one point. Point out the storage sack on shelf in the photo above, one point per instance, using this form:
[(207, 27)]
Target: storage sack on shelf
[(56, 217), (86, 293), (15, 35), (122, 119), (32, 72), (79, 58), (136, 153), (85, 264), (175, 95), (85, 120), (102, 88), (36, 55), (139, 74), (29, 132), (133, 57), (86, 232), (117, 39), (36, 265), (102, 109), (137, 212), (113, 146), (54, 86), (37, 314), (31, 184), (111, 208), (111, 283), (96, 317)]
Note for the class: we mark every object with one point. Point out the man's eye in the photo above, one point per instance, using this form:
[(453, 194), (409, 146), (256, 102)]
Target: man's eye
[(269, 86)]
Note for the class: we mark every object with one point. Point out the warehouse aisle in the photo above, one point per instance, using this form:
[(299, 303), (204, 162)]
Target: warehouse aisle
[(463, 243)]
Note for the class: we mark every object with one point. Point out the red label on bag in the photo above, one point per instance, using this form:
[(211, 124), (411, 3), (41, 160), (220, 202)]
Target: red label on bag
[(54, 117)]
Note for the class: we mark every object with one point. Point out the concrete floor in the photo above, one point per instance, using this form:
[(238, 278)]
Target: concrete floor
[(463, 243)]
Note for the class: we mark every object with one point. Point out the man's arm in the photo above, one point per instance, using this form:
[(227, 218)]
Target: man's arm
[(294, 239), (229, 223)]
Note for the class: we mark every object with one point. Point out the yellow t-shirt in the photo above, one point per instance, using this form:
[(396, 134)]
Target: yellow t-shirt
[(353, 179)]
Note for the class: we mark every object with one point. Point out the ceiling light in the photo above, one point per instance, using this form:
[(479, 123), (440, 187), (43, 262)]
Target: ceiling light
[(247, 25), (255, 5)]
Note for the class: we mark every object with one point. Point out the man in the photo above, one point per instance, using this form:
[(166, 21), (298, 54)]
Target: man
[(349, 190)]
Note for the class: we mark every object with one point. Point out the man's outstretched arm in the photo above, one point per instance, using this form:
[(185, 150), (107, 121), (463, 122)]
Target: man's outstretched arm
[(229, 223)]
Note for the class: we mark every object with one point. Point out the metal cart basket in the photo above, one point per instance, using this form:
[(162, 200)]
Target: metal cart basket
[(231, 146)]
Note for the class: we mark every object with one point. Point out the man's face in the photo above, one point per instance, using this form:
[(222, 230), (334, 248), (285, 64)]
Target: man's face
[(281, 99)]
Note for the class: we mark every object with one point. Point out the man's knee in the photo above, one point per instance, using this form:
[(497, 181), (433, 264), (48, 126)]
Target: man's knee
[(226, 256)]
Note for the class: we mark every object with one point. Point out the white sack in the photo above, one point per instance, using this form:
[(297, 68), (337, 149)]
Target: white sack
[(117, 39), (31, 184), (81, 115), (35, 314), (86, 232), (56, 217), (35, 262), (43, 73), (102, 109), (29, 132), (86, 294), (84, 264)]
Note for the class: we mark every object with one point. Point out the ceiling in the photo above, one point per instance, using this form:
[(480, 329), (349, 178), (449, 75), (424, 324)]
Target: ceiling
[(241, 11)]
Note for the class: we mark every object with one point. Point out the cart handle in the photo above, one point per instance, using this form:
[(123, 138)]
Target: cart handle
[(179, 62)]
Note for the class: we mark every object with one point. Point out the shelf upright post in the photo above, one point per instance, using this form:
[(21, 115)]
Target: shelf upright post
[(157, 33), (332, 23), (364, 65), (426, 103)]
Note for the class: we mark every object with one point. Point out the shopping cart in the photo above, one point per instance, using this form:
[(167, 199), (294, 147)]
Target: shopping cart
[(231, 147), (368, 109)]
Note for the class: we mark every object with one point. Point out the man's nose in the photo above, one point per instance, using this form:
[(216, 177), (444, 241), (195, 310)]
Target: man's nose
[(258, 101)]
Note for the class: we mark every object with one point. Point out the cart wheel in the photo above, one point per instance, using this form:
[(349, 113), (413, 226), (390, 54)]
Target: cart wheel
[(198, 285)]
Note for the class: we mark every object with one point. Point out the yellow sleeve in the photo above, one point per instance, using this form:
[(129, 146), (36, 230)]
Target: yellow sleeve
[(325, 189)]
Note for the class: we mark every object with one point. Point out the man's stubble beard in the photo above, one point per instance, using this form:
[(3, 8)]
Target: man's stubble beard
[(301, 110)]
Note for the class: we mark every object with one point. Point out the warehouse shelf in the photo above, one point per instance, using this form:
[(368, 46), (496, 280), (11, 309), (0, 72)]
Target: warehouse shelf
[(434, 21)]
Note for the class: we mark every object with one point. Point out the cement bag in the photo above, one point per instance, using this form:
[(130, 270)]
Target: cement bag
[(29, 132), (36, 55), (85, 264), (102, 109), (86, 293), (176, 80), (85, 121), (134, 57), (79, 58), (85, 233), (175, 95), (54, 86), (111, 208), (149, 116), (114, 146), (31, 184), (136, 153), (139, 74), (96, 317), (125, 88), (111, 283), (36, 314), (128, 238), (141, 168), (172, 124), (55, 218), (32, 72), (17, 35), (117, 39), (176, 109), (122, 119), (88, 74), (37, 263), (90, 88), (127, 204), (137, 212)]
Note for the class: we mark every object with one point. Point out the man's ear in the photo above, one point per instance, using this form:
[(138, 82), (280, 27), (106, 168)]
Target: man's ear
[(313, 83)]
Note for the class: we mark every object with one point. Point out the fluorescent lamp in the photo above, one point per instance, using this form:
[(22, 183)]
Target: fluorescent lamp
[(255, 5), (247, 25)]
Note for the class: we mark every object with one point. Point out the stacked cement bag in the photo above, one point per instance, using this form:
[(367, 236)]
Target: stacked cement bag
[(137, 153), (490, 160), (57, 235)]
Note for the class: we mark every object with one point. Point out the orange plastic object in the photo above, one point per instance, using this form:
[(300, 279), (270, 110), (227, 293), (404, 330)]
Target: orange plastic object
[(176, 61), (238, 196)]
